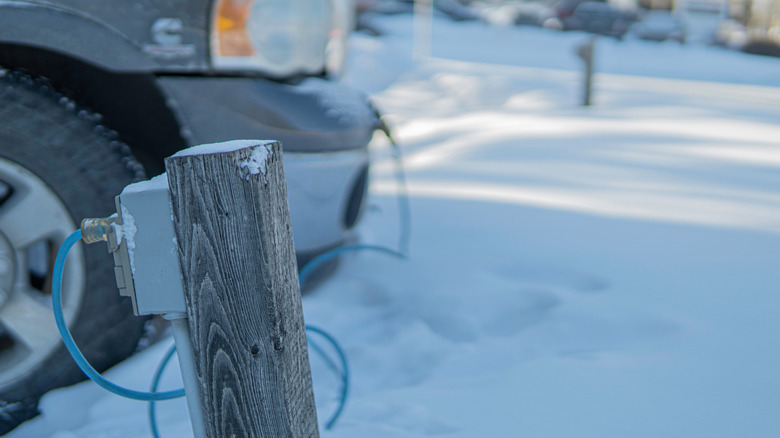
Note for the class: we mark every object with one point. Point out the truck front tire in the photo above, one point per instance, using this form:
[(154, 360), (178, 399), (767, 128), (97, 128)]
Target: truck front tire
[(58, 164)]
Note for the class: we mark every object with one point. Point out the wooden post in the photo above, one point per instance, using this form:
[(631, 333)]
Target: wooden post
[(235, 244)]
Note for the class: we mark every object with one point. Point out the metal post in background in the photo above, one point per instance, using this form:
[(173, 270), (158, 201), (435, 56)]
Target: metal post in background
[(585, 52), (423, 28)]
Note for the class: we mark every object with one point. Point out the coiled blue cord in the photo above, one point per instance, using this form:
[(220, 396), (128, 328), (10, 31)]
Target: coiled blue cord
[(307, 270), (70, 343), (303, 275), (344, 372), (404, 205), (155, 384), (154, 396)]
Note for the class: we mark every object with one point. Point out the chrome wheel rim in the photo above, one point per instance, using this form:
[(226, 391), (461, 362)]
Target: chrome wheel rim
[(33, 224)]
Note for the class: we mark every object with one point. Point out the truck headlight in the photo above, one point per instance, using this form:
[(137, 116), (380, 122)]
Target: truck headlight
[(279, 37), (343, 22)]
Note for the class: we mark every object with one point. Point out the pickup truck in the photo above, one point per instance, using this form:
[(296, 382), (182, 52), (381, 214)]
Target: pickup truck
[(94, 94)]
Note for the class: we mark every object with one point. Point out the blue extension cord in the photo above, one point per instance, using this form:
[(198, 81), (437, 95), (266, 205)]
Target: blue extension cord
[(307, 270), (155, 384), (154, 395), (343, 372), (404, 205), (73, 349)]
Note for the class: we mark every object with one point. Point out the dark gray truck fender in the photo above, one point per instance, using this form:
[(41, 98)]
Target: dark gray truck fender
[(158, 38)]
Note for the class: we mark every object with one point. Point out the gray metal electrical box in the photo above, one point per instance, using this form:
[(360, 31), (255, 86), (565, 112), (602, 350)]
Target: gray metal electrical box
[(146, 258)]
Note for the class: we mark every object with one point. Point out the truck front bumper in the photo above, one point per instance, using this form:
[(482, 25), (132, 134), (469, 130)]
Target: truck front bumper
[(324, 128)]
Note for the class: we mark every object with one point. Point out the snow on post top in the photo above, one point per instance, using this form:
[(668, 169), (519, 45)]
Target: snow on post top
[(218, 148), (256, 163)]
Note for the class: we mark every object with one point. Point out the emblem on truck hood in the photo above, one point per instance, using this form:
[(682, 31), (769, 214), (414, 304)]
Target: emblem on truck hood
[(167, 36)]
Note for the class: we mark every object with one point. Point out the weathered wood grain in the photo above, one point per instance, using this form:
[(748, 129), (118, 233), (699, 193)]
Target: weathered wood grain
[(243, 298)]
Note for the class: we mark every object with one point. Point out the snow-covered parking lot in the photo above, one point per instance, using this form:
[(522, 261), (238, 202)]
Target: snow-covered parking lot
[(602, 272)]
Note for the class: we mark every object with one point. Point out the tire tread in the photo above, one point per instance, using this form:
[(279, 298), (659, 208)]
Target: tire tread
[(67, 134)]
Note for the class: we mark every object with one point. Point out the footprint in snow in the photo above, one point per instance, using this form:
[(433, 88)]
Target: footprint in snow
[(555, 278), (503, 302)]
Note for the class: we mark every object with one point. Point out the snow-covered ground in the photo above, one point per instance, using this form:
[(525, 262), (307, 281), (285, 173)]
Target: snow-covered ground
[(601, 272)]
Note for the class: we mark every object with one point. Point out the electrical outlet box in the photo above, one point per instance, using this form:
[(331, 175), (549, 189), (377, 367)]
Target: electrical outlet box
[(145, 252)]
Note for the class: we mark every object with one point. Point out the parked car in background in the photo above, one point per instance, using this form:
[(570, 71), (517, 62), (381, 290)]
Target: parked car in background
[(456, 10), (517, 12), (452, 9), (535, 13), (660, 26), (731, 34), (565, 8), (600, 18), (93, 96)]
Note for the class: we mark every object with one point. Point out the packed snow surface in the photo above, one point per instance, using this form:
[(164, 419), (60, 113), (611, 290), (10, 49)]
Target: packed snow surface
[(609, 271)]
